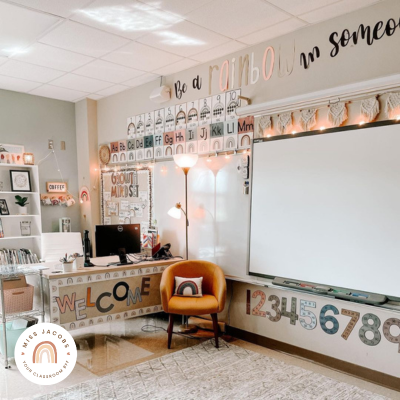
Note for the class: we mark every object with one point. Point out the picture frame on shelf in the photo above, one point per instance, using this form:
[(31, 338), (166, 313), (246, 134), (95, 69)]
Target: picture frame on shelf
[(4, 207), (20, 181)]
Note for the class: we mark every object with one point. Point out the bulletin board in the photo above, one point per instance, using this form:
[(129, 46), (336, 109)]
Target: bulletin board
[(127, 197)]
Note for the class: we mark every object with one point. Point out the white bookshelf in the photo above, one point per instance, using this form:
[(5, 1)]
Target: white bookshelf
[(11, 223)]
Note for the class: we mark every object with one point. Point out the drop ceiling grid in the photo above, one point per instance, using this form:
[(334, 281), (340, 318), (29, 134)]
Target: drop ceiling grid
[(220, 24)]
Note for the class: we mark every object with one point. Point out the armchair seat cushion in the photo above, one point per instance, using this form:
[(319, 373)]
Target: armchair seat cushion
[(207, 304)]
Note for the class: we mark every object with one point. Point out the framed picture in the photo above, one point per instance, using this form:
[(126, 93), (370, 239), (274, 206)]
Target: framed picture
[(1, 229), (4, 208), (20, 181)]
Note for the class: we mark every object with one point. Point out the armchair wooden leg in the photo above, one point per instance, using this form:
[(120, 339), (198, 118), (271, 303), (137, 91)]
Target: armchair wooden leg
[(216, 328), (170, 329)]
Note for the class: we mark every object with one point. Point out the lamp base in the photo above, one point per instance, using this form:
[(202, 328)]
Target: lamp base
[(187, 328)]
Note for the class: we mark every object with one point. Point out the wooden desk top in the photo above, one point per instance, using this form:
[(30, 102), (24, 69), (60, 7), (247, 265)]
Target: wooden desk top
[(100, 266)]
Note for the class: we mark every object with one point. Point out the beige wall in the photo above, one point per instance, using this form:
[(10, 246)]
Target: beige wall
[(31, 121), (353, 64)]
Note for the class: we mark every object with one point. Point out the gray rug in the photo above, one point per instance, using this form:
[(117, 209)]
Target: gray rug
[(204, 372)]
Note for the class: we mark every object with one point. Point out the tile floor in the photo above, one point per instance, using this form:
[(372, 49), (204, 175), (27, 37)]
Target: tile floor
[(114, 346)]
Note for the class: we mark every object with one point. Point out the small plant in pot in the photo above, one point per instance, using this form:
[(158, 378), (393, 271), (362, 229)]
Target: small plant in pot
[(22, 202)]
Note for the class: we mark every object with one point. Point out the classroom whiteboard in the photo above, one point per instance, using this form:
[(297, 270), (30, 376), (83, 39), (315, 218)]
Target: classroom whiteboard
[(326, 209)]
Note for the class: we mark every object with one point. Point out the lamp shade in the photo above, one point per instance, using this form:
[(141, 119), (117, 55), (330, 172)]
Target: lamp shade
[(175, 212), (185, 160)]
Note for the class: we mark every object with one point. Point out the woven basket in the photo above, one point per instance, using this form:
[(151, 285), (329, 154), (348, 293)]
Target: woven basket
[(18, 300)]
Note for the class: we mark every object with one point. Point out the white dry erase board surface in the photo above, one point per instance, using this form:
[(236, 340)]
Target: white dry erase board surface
[(326, 209), (218, 211)]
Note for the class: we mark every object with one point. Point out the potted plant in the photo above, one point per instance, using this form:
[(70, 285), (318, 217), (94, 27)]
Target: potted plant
[(22, 202)]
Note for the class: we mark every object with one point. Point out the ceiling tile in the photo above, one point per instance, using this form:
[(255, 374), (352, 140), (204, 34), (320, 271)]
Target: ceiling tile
[(280, 29), (58, 93), (62, 8), (113, 90), (141, 80), (334, 10), (18, 69), (139, 56), (20, 27), (296, 7), (236, 18), (94, 96), (107, 71), (179, 7), (184, 39), (76, 82), (219, 51), (48, 56), (82, 39), (176, 67), (128, 18), (17, 85)]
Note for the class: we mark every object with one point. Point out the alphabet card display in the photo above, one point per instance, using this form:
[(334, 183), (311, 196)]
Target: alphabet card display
[(114, 147), (192, 114), (122, 150), (245, 132), (179, 141), (131, 128), (131, 153), (180, 120), (159, 122), (139, 148), (232, 102), (169, 149), (203, 142), (169, 119), (158, 146), (217, 136), (148, 147), (191, 140), (230, 134), (218, 108), (205, 111), (139, 120)]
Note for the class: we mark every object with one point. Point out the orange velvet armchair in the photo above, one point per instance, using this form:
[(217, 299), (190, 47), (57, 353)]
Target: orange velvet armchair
[(213, 288)]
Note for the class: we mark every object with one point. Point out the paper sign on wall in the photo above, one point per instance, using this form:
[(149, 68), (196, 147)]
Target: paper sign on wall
[(217, 136), (139, 121), (192, 108), (148, 147), (203, 142), (169, 119), (179, 141), (205, 111), (232, 101), (191, 140), (169, 149), (159, 122), (180, 120), (131, 128), (149, 123), (218, 108)]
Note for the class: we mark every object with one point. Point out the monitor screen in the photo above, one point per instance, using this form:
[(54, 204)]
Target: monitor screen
[(111, 238)]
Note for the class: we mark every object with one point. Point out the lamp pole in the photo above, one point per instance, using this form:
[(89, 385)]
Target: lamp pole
[(186, 171)]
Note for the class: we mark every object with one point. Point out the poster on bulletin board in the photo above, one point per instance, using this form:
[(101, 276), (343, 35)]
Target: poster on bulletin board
[(127, 197)]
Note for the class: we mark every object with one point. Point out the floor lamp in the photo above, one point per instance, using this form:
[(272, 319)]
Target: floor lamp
[(185, 161)]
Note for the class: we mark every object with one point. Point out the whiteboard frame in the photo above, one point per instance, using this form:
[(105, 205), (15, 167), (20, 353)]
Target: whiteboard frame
[(297, 135)]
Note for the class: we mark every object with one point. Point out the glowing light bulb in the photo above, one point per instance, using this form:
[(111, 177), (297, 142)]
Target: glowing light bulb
[(268, 136), (227, 156), (81, 201), (209, 159), (398, 118), (362, 123), (322, 128), (294, 132)]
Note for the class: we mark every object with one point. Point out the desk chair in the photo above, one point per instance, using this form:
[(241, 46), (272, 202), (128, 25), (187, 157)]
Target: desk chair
[(214, 293), (56, 244)]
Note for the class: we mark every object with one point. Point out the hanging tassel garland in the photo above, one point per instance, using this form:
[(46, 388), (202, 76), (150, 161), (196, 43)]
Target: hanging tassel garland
[(308, 119), (393, 105), (284, 123), (370, 108), (337, 113), (264, 124)]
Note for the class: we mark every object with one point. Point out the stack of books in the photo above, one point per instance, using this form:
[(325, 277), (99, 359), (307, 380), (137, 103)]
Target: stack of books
[(15, 256)]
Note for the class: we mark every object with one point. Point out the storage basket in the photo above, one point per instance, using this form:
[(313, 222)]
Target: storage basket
[(18, 299), (12, 338)]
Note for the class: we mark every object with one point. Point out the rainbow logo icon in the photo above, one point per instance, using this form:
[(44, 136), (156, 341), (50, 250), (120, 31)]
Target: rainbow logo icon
[(189, 285), (45, 348)]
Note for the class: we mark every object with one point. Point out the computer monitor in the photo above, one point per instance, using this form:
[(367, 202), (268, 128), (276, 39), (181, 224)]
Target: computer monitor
[(111, 238)]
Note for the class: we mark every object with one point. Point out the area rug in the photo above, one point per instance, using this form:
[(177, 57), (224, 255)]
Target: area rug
[(204, 372)]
